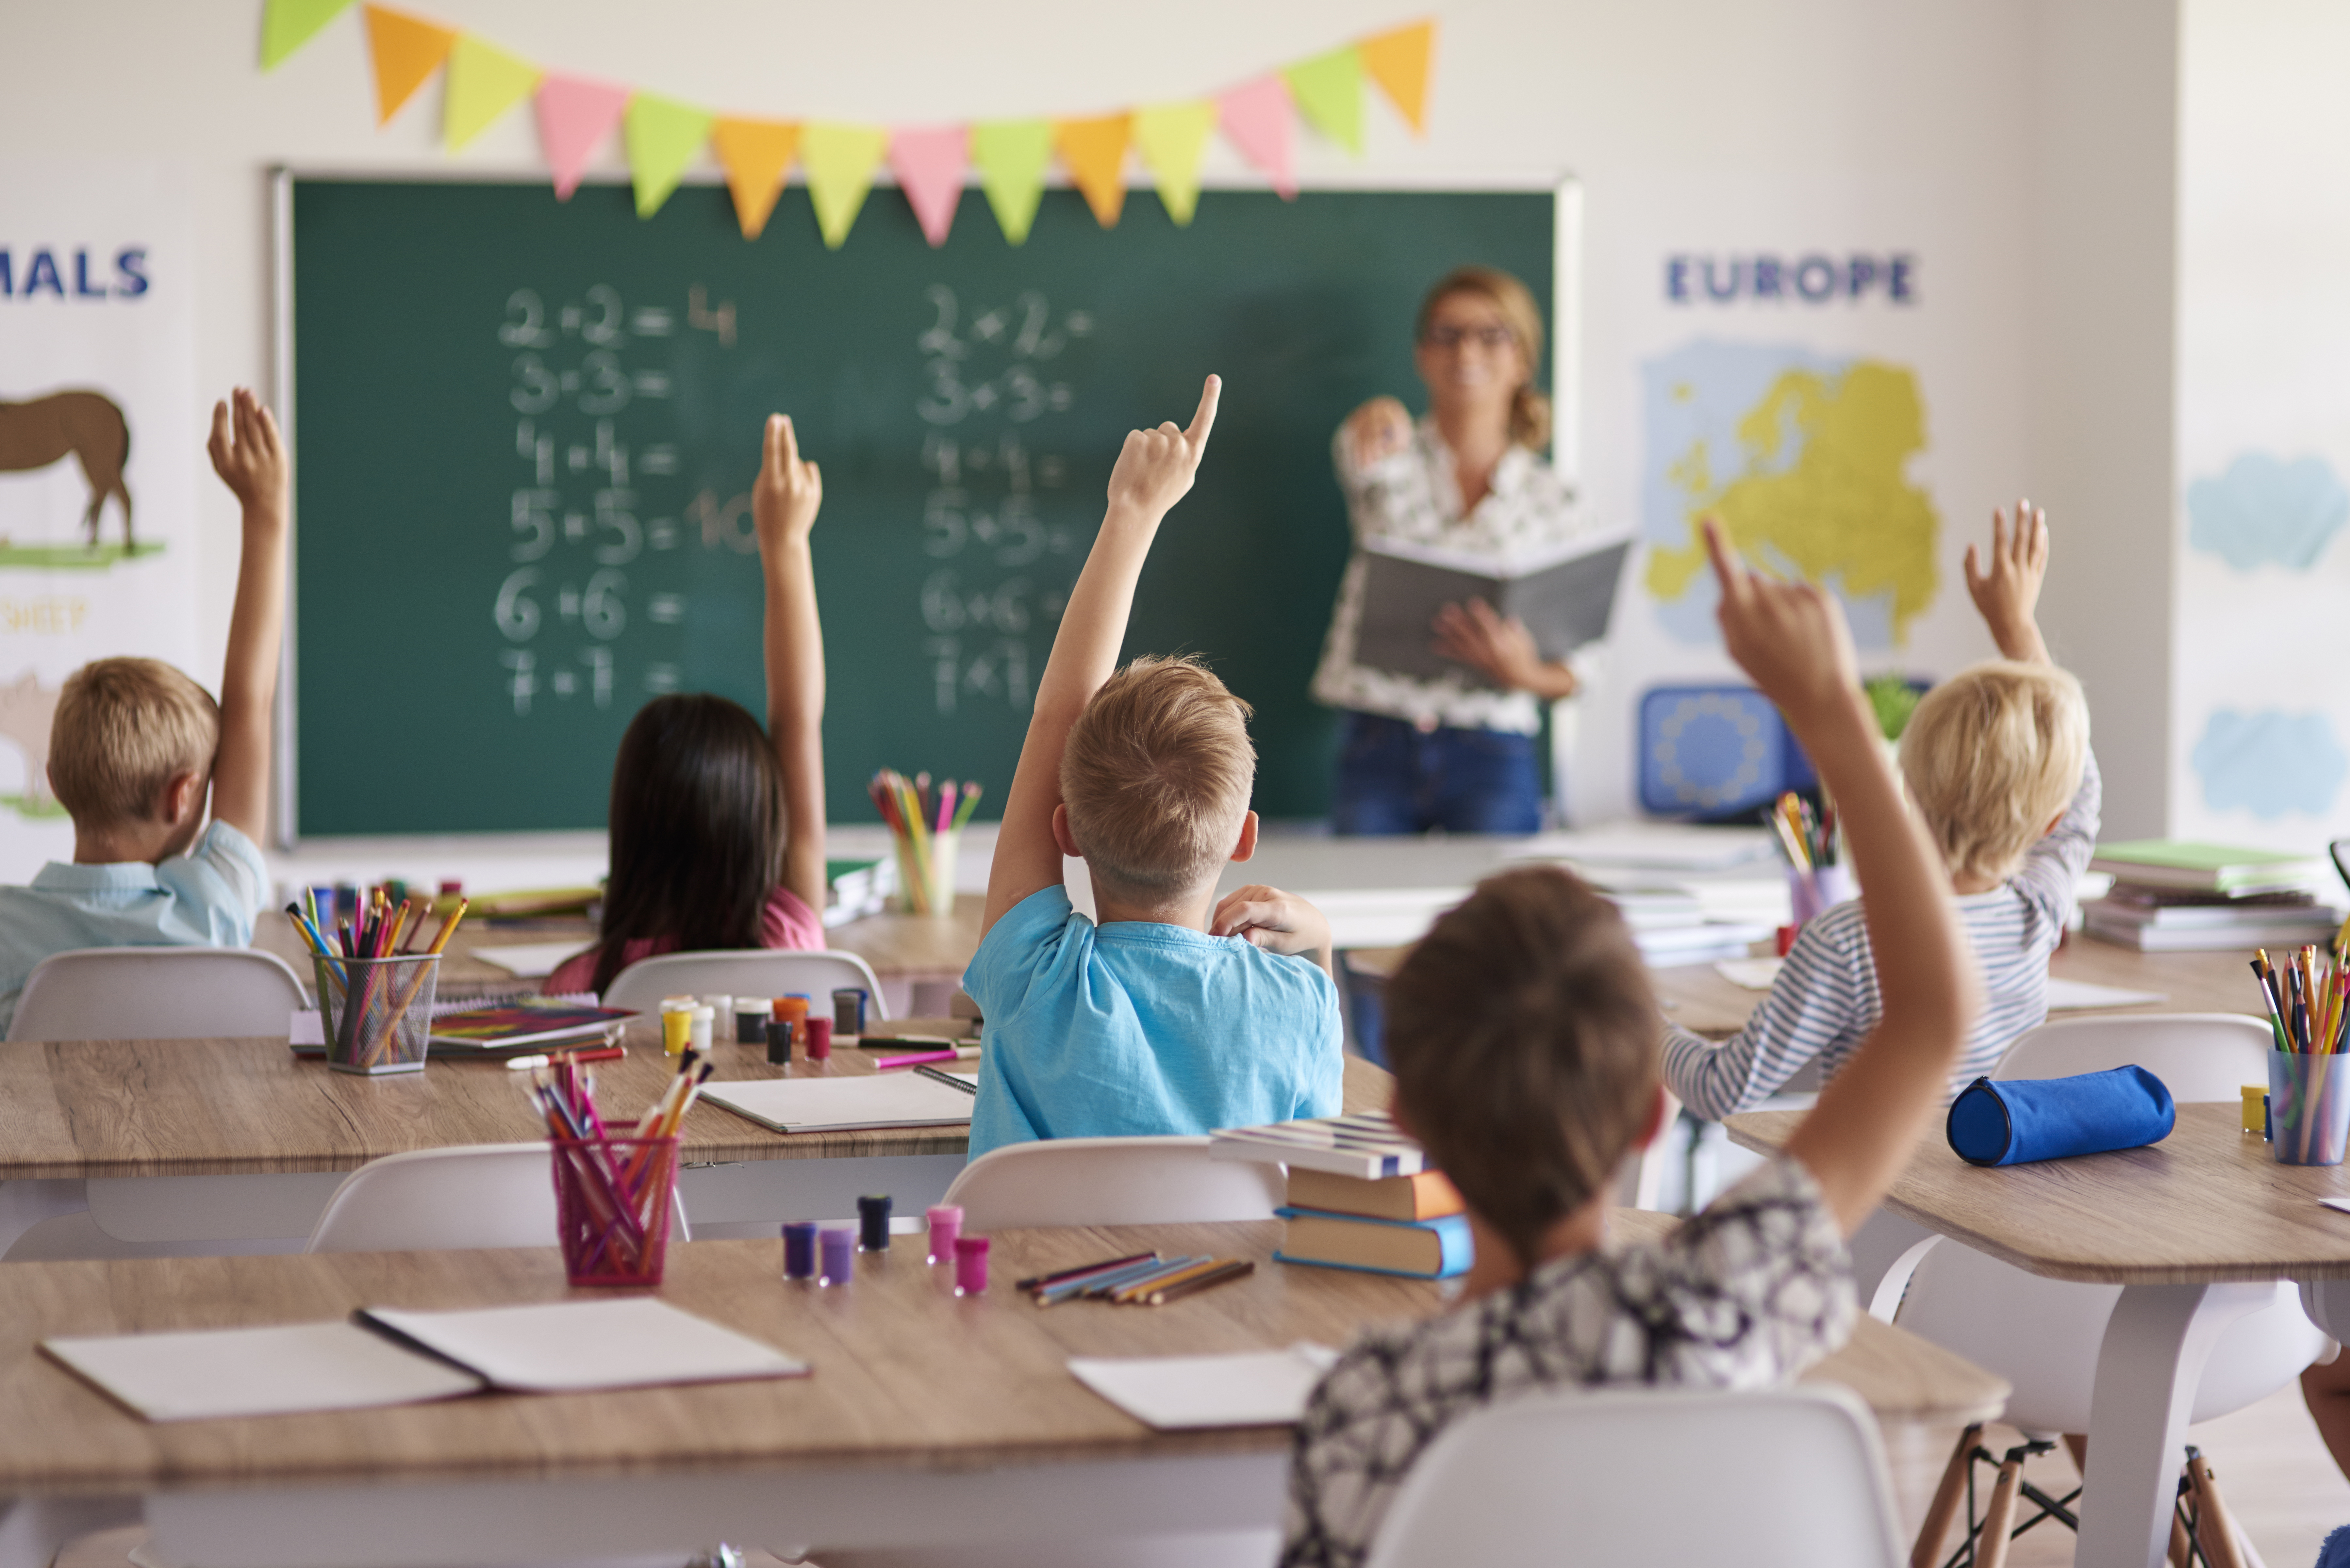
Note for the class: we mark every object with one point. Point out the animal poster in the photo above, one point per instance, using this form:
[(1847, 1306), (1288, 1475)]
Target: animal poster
[(100, 431)]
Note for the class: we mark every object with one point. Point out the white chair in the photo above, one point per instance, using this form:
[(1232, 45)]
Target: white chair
[(2042, 1335), (157, 993), (758, 971), (1113, 1181), (441, 1199), (1789, 1477)]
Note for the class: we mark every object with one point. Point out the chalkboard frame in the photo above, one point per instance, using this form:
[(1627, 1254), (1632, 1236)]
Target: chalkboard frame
[(1564, 380)]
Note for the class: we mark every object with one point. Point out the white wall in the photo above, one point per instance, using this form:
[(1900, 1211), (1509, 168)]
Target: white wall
[(2000, 105)]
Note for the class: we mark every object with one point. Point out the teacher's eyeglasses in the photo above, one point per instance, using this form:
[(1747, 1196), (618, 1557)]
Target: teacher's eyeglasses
[(1492, 338)]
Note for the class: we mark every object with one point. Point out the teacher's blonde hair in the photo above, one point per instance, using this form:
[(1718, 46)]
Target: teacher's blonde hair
[(1529, 408)]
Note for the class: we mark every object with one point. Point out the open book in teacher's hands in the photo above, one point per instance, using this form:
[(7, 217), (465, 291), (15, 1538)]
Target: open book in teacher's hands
[(1564, 594)]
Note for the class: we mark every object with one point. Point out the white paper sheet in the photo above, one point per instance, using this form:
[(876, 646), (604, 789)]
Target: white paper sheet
[(1664, 846), (1754, 974), (530, 960), (898, 1098), (565, 1347), (1172, 1393), (215, 1373), (2069, 995)]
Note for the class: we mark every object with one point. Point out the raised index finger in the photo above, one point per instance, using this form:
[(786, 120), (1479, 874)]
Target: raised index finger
[(1205, 420), (1728, 568), (791, 443)]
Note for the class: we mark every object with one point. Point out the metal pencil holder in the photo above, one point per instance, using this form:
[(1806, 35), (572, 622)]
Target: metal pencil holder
[(378, 1011), (612, 1203), (2309, 1107)]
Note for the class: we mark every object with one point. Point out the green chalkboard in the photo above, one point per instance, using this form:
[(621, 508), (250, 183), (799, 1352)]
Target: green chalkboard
[(526, 433)]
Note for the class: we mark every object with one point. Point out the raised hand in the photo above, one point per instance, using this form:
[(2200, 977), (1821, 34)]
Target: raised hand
[(1156, 466), (249, 454), (1790, 636), (1379, 429), (784, 501), (2007, 593)]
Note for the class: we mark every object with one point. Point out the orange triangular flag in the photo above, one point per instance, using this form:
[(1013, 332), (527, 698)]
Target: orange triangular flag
[(1095, 152), (755, 153), (1397, 61), (406, 50)]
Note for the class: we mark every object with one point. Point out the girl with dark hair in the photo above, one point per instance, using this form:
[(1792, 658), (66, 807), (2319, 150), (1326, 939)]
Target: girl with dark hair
[(717, 828)]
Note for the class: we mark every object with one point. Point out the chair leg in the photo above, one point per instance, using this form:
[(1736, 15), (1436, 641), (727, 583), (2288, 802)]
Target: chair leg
[(1998, 1515), (2215, 1527), (1928, 1552)]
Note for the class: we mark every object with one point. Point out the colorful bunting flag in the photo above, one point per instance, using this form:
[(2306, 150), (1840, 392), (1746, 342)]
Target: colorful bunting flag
[(1397, 61), (928, 165), (1255, 116), (663, 137), (574, 115), (840, 161), (755, 153), (1329, 93), (1010, 155), (405, 50), (288, 24), (484, 81), (1172, 137), (1095, 153)]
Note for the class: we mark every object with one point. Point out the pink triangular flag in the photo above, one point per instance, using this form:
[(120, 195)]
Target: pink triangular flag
[(1256, 117), (928, 165), (574, 115)]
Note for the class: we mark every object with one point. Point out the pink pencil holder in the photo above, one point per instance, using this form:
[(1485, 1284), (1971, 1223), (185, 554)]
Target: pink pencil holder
[(612, 1204)]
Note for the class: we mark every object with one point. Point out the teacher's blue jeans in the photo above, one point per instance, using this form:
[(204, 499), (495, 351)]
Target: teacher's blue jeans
[(1393, 779)]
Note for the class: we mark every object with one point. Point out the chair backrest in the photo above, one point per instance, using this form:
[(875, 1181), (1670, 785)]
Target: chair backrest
[(1792, 1476), (1112, 1182), (157, 993), (442, 1200), (759, 971), (2198, 1057)]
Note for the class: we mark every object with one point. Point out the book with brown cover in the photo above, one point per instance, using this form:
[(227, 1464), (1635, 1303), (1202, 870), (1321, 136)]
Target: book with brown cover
[(1427, 1196)]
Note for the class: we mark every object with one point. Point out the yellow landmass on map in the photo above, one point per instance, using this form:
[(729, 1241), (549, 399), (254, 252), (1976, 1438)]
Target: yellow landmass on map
[(1841, 509)]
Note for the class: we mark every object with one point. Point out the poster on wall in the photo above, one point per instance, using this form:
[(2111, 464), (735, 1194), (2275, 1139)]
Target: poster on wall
[(1826, 368), (99, 438)]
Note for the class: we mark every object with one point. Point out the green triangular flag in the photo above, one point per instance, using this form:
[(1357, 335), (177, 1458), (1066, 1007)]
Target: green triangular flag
[(484, 81), (1171, 138), (1329, 93), (839, 161), (663, 135), (288, 24), (1011, 156)]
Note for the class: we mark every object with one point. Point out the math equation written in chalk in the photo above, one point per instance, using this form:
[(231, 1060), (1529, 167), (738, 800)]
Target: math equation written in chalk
[(602, 521)]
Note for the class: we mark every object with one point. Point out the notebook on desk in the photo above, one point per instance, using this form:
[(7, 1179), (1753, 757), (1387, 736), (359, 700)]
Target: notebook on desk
[(902, 1100)]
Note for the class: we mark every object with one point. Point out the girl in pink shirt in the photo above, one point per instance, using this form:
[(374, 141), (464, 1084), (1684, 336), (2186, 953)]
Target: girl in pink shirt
[(717, 826)]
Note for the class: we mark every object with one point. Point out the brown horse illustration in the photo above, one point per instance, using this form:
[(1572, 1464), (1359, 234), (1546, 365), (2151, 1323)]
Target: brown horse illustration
[(88, 425)]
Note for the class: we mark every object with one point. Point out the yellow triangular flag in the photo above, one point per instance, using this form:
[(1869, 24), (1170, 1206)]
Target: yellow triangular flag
[(1397, 61), (663, 135), (405, 50), (484, 81), (1170, 137), (1328, 90), (1010, 155), (755, 153), (1094, 151), (840, 161), (288, 24)]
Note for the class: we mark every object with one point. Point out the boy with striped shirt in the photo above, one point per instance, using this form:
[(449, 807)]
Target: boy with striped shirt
[(1997, 762)]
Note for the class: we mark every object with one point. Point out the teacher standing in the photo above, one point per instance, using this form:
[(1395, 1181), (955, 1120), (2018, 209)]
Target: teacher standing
[(1447, 754)]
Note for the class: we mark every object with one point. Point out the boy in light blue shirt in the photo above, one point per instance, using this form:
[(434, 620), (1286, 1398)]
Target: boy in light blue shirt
[(136, 747), (1175, 1014)]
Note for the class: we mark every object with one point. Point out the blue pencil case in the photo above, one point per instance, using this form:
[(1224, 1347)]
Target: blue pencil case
[(2023, 1119)]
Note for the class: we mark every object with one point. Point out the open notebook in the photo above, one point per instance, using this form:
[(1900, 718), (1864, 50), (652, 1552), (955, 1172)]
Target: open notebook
[(387, 1356), (908, 1098), (1173, 1393)]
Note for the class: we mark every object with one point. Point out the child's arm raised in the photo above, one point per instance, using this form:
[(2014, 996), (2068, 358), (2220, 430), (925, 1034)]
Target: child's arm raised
[(250, 458), (784, 507), (1154, 471), (1792, 639), (2009, 592)]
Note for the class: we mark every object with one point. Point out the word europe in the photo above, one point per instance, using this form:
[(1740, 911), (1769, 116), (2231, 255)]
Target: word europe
[(1815, 278)]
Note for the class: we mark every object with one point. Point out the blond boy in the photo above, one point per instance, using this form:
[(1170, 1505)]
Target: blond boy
[(1171, 1012), (137, 747), (1998, 764), (1523, 1037)]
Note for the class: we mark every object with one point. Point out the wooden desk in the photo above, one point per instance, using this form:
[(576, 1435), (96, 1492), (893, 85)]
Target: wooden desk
[(927, 1418), (2170, 1223), (156, 1125)]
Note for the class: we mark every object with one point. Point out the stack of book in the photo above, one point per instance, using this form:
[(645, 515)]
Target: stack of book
[(1360, 1197), (2171, 897)]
